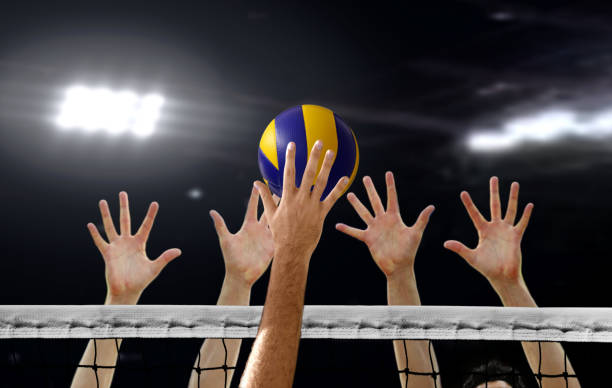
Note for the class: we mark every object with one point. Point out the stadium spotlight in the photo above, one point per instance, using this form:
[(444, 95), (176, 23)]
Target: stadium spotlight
[(490, 141), (544, 127), (116, 112)]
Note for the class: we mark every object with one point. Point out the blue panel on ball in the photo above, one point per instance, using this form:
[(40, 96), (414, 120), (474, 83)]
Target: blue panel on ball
[(346, 156), (270, 173), (290, 128)]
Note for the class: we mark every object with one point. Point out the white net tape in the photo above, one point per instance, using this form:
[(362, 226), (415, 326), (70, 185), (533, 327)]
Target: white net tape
[(340, 322)]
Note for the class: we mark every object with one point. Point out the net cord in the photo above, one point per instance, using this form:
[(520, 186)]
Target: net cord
[(334, 322)]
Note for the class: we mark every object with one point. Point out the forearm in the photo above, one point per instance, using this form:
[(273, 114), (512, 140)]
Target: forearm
[(273, 358), (547, 358), (414, 355), (102, 353), (213, 351)]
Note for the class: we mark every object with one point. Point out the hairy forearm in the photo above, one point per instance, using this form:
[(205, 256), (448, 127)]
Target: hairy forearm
[(101, 352), (414, 355), (273, 358), (234, 292), (547, 358)]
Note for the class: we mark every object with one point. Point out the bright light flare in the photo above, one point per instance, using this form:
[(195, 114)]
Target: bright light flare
[(116, 112), (490, 142), (545, 127)]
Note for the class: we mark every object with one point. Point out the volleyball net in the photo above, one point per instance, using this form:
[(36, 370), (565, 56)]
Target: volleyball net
[(42, 345)]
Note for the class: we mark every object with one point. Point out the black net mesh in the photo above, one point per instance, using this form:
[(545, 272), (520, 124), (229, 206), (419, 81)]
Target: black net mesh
[(324, 362), (150, 362)]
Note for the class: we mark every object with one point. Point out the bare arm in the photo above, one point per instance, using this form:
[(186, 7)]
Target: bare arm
[(498, 258), (273, 358), (103, 352), (551, 354), (296, 226), (128, 272), (213, 351), (393, 246), (402, 290), (246, 255)]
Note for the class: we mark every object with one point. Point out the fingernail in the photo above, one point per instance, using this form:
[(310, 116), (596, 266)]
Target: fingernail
[(318, 144), (291, 146)]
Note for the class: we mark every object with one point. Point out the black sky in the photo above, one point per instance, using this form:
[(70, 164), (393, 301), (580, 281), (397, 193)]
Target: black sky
[(412, 80)]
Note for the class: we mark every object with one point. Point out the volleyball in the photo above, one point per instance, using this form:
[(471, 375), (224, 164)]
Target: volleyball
[(304, 125)]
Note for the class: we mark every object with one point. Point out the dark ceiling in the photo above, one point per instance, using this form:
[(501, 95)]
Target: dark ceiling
[(412, 80)]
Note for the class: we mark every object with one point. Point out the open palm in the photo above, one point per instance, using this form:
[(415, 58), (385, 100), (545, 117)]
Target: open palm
[(498, 253), (128, 269), (392, 244), (248, 252)]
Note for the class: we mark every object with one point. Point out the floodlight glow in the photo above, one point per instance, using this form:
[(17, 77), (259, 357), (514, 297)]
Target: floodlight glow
[(544, 127), (116, 112), (71, 111), (491, 141), (602, 125), (148, 114), (120, 112)]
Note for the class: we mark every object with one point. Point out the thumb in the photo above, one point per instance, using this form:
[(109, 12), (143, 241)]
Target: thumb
[(353, 232), (423, 219), (460, 249), (266, 199), (219, 222), (166, 257)]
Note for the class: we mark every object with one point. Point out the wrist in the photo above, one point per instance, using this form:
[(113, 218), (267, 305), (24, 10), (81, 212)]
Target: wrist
[(402, 288), (401, 275), (294, 254), (236, 283), (514, 293), (235, 291), (128, 299)]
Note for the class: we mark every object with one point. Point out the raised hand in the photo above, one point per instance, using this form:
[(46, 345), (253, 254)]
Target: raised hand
[(392, 244), (128, 269), (297, 222), (498, 257), (296, 225), (498, 253), (248, 252)]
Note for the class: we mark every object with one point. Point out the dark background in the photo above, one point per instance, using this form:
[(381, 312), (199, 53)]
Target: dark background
[(412, 81)]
